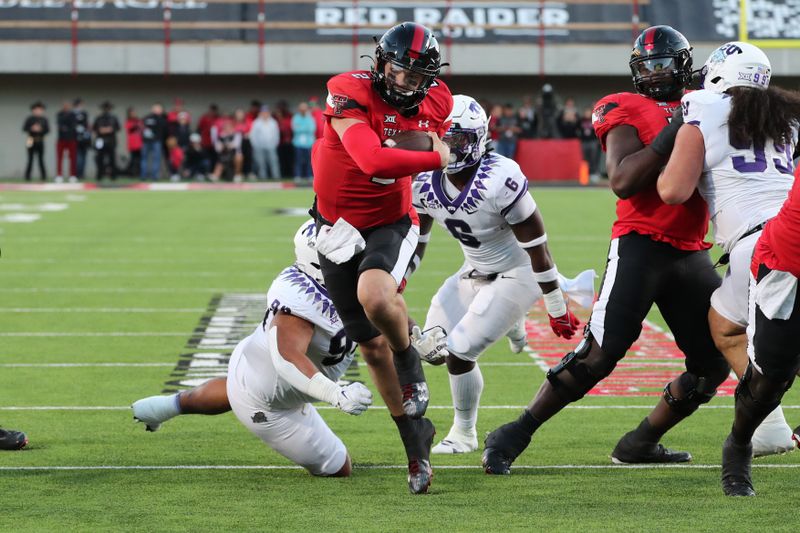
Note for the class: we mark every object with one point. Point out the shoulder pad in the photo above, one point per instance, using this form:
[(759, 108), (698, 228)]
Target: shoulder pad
[(296, 293)]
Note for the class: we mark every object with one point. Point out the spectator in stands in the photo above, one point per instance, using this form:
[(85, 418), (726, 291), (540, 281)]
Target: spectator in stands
[(229, 153), (105, 130), (195, 163), (527, 119), (154, 129), (67, 142), (182, 129), (36, 127), (548, 111), (304, 129), (205, 128), (84, 136), (285, 148), (242, 124), (589, 145), (508, 131), (255, 110), (497, 112), (316, 112), (265, 136), (133, 130), (173, 117), (174, 158), (568, 120)]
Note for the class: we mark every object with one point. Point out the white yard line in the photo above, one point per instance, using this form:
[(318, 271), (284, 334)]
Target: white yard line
[(329, 407), (125, 289), (84, 365), (386, 467), (102, 310), (96, 334)]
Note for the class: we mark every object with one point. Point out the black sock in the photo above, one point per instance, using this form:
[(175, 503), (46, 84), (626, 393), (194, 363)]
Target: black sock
[(408, 365), (647, 433), (528, 422)]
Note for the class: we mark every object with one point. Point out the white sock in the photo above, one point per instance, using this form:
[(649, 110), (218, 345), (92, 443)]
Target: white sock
[(167, 406), (466, 390), (775, 418)]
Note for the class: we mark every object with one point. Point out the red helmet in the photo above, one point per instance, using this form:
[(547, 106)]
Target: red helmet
[(412, 48), (661, 63)]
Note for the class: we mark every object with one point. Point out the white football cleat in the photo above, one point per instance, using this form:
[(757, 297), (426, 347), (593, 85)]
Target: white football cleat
[(773, 436), (518, 336), (457, 441), (155, 410)]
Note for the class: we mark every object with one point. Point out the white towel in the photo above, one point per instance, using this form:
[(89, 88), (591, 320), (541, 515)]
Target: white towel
[(579, 289), (775, 295), (340, 242)]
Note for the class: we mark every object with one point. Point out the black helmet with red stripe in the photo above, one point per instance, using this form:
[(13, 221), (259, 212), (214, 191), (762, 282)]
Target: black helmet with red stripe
[(661, 63), (407, 60)]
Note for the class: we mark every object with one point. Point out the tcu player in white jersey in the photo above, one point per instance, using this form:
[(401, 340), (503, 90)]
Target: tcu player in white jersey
[(482, 200), (745, 177), (294, 357)]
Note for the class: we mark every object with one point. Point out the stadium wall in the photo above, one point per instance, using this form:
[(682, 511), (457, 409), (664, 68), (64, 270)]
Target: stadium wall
[(226, 74)]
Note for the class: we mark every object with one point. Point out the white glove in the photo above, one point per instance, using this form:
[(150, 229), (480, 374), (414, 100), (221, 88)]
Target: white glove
[(340, 242), (431, 344), (354, 398)]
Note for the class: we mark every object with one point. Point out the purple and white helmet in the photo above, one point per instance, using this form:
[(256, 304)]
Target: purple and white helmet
[(736, 64), (305, 250), (468, 134)]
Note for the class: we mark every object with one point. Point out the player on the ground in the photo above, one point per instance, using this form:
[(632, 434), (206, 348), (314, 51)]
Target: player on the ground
[(12, 440), (294, 357), (744, 175), (657, 256), (482, 199), (364, 194)]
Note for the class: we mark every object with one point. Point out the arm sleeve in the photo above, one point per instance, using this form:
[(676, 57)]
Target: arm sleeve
[(317, 386), (364, 146)]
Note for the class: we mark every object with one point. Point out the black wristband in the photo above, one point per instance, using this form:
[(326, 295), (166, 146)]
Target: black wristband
[(665, 140)]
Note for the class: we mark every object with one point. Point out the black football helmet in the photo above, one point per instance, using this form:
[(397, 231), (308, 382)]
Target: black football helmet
[(661, 63), (410, 47)]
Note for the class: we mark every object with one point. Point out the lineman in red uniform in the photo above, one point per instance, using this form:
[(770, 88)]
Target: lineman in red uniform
[(657, 255), (369, 186)]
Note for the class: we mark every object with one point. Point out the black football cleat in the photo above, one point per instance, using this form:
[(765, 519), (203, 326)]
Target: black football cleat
[(736, 460), (502, 446), (12, 440), (417, 443), (631, 451)]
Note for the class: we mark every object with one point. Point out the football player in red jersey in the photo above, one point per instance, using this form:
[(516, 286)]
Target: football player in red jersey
[(657, 256), (367, 185)]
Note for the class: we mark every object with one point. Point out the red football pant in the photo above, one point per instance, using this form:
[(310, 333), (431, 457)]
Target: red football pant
[(71, 147)]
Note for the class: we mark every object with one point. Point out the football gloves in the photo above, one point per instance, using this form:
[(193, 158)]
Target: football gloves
[(354, 398), (431, 344), (565, 325)]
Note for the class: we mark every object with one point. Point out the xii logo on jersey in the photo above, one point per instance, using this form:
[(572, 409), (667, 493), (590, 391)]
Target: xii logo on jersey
[(389, 119)]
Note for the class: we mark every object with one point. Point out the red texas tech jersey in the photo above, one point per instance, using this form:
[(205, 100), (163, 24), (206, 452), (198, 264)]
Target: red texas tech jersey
[(683, 226), (343, 190)]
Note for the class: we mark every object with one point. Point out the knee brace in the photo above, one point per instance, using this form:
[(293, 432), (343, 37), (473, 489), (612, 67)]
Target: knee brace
[(758, 393), (580, 370), (697, 390)]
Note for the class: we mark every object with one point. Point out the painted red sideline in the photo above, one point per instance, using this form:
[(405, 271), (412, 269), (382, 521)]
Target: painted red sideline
[(653, 361)]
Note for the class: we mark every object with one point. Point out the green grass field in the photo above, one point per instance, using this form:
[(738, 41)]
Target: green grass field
[(125, 277)]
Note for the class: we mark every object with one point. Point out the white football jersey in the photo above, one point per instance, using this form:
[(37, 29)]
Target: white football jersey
[(330, 350), (743, 186), (480, 215)]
